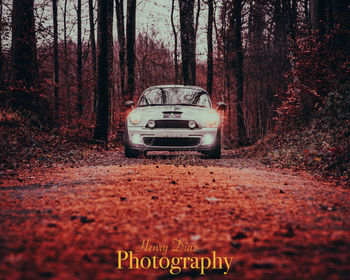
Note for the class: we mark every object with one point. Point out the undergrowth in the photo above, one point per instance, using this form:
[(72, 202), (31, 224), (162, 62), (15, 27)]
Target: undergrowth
[(25, 141), (321, 145)]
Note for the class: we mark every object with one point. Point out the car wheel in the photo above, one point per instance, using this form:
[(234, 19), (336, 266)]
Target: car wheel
[(216, 151), (130, 153)]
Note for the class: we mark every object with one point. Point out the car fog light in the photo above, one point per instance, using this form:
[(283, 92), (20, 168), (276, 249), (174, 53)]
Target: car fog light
[(208, 139), (192, 124), (151, 123), (136, 139)]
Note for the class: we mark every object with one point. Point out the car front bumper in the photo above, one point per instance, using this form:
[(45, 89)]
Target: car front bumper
[(146, 139)]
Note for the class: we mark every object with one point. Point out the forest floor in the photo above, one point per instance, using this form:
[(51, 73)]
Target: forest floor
[(77, 219)]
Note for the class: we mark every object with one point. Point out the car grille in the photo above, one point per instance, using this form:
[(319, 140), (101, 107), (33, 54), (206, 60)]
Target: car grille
[(172, 124), (172, 141)]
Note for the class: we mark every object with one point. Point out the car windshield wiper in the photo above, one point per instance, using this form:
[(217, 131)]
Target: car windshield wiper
[(153, 105), (187, 104)]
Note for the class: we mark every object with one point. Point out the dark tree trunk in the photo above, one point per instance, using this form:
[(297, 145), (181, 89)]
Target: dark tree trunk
[(119, 6), (187, 42), (130, 47), (1, 56), (306, 11), (92, 35), (93, 49), (176, 63), (280, 43), (210, 67), (23, 56), (314, 12), (66, 70), (193, 65), (79, 63), (103, 72), (293, 20), (110, 61), (341, 16), (55, 54), (237, 27), (318, 15)]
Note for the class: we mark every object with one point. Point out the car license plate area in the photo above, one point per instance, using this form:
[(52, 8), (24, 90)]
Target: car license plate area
[(172, 115)]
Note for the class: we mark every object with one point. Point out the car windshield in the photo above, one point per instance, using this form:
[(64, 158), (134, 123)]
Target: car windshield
[(175, 96)]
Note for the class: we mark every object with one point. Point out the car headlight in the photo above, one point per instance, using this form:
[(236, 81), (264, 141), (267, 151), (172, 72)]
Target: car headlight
[(135, 117), (211, 120)]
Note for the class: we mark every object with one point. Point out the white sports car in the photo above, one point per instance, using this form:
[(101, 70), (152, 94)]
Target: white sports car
[(172, 118)]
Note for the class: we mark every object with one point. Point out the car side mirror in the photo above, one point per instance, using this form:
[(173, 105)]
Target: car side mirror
[(221, 106), (129, 103)]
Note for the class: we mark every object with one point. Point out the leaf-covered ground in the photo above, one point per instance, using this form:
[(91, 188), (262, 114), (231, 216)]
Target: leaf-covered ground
[(68, 221)]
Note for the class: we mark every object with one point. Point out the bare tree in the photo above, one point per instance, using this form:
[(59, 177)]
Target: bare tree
[(236, 24), (24, 64), (103, 70), (130, 46), (79, 62), (55, 55), (92, 35), (93, 48), (318, 15), (119, 9), (1, 57), (210, 67), (188, 42), (66, 62), (306, 11), (176, 63), (110, 61), (196, 24)]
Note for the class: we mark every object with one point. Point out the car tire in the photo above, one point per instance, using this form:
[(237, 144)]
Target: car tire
[(131, 153), (215, 153)]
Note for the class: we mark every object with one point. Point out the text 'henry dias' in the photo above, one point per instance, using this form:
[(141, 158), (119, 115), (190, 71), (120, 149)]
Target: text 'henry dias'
[(127, 260)]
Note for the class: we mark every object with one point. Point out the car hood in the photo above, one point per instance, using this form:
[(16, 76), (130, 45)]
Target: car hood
[(198, 114)]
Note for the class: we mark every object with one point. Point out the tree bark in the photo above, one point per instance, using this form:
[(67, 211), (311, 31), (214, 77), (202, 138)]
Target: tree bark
[(103, 72), (55, 51), (293, 20), (23, 53), (237, 27), (1, 57), (110, 61), (119, 6), (92, 35), (93, 50), (193, 65), (130, 47), (342, 20), (210, 66), (79, 63), (306, 11), (187, 42), (176, 63), (66, 70), (318, 15)]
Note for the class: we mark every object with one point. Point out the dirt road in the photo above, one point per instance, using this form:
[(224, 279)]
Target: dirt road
[(83, 222)]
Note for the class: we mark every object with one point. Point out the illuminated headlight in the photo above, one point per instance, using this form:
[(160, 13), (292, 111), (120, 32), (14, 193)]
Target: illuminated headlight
[(135, 117), (211, 120), (192, 124), (136, 139), (151, 123), (207, 139)]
